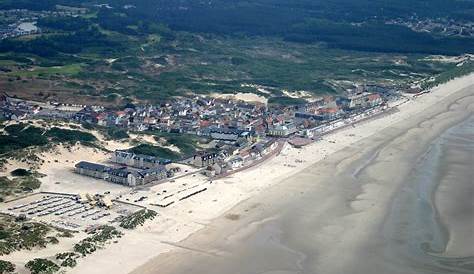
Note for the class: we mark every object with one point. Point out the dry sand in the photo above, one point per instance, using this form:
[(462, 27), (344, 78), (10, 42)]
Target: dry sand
[(247, 97)]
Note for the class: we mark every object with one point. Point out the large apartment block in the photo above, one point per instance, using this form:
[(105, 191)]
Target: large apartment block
[(121, 175)]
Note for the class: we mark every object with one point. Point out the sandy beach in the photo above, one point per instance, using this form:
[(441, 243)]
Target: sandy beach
[(351, 203)]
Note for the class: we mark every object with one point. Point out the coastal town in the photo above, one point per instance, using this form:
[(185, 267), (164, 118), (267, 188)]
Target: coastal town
[(118, 185), (89, 190), (239, 132), (239, 135)]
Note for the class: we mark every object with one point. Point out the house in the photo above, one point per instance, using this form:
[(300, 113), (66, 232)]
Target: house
[(236, 162), (308, 115), (203, 159), (213, 170), (374, 100), (14, 114), (228, 134), (365, 100), (330, 113), (282, 130), (130, 177)]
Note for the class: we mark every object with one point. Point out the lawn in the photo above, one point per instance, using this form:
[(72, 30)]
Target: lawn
[(69, 70)]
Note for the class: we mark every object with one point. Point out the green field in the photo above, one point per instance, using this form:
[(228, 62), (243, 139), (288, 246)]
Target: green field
[(67, 70)]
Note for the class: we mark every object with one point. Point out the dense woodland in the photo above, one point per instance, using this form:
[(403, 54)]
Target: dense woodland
[(346, 24)]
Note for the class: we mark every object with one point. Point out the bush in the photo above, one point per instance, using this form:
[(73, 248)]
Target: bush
[(137, 218), (6, 267), (156, 151), (99, 237), (20, 172), (117, 133), (68, 135), (30, 183), (285, 101), (42, 266), (68, 259)]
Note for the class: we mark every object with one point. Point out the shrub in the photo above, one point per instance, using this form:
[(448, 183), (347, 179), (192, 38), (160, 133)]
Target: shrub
[(68, 135), (6, 267), (100, 236), (20, 172), (68, 259), (156, 151), (30, 183), (42, 266), (137, 218), (117, 133)]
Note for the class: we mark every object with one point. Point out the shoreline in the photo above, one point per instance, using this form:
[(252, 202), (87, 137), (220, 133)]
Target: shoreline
[(177, 224), (406, 110), (366, 206)]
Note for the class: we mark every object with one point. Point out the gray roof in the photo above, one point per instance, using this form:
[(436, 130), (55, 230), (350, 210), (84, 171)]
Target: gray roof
[(148, 158), (92, 166), (120, 172), (151, 171)]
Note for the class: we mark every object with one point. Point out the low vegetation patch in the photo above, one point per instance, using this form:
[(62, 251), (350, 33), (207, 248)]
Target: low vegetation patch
[(67, 259), (115, 133), (110, 133), (97, 240), (285, 101), (20, 136), (156, 151), (16, 234), (6, 267), (20, 172), (138, 218), (187, 144), (42, 266), (448, 75), (69, 135), (17, 186)]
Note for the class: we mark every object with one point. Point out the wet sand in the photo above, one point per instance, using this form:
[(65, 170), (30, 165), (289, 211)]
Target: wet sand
[(381, 205), (454, 197)]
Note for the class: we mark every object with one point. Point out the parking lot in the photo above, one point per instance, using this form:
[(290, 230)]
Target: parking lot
[(66, 211)]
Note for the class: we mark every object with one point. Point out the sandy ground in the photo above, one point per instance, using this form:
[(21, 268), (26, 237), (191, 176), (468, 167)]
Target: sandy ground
[(338, 215), (178, 222), (247, 97)]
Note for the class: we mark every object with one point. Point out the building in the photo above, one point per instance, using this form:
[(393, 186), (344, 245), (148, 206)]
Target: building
[(228, 134), (203, 159), (365, 100), (130, 177), (141, 161), (235, 162), (308, 115), (92, 170), (122, 175), (282, 130)]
